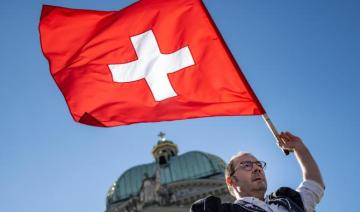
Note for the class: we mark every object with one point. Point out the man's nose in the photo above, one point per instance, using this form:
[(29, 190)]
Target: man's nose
[(256, 168)]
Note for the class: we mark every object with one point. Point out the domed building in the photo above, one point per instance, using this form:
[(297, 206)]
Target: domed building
[(171, 183)]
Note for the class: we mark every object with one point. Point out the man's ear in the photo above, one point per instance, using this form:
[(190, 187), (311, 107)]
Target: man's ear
[(229, 181)]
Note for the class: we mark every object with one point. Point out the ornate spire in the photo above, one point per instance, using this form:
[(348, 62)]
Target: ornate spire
[(164, 150)]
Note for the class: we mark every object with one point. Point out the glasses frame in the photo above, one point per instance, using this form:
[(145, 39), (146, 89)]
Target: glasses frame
[(261, 164)]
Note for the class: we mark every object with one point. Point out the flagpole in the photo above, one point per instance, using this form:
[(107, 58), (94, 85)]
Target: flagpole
[(274, 131)]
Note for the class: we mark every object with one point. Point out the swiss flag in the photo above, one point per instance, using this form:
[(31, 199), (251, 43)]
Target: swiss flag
[(154, 60)]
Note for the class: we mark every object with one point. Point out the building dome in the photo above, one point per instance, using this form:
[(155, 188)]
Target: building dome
[(188, 166), (170, 183)]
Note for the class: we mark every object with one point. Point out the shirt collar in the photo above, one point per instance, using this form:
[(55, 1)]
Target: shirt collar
[(253, 201)]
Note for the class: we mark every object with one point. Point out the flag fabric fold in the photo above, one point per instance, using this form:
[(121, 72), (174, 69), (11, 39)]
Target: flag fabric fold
[(155, 60)]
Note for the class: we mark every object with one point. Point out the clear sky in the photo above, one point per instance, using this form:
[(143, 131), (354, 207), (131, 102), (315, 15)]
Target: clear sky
[(302, 59)]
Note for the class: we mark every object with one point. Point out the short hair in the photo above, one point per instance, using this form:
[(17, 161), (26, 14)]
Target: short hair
[(230, 169)]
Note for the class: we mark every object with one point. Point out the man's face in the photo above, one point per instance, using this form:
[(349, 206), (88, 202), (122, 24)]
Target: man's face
[(246, 181)]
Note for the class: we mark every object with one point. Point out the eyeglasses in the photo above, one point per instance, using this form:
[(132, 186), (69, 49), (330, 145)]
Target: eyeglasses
[(249, 165)]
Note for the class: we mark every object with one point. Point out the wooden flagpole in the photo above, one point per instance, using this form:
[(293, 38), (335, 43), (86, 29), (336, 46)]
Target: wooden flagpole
[(274, 131)]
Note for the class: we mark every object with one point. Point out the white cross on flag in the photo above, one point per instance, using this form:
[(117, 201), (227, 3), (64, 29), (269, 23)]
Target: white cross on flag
[(152, 66), (155, 60)]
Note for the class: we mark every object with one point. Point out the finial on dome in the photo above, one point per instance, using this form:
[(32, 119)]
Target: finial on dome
[(162, 136)]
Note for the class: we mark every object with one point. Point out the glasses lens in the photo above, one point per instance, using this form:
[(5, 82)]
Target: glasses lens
[(247, 165)]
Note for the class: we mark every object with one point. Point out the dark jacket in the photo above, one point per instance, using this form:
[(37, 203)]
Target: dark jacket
[(284, 196)]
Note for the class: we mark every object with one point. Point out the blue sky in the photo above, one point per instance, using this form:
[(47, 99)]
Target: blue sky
[(302, 59)]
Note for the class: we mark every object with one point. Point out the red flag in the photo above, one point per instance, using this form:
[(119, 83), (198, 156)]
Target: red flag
[(154, 60)]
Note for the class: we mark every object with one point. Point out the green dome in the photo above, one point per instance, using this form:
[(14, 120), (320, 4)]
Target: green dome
[(191, 165)]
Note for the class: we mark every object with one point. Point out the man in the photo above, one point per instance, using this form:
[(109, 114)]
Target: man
[(246, 181)]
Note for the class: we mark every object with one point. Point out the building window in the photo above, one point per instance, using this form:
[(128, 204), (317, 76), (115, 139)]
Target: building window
[(162, 160)]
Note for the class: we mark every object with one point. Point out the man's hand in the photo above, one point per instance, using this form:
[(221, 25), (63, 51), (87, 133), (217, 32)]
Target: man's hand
[(290, 142), (307, 163)]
